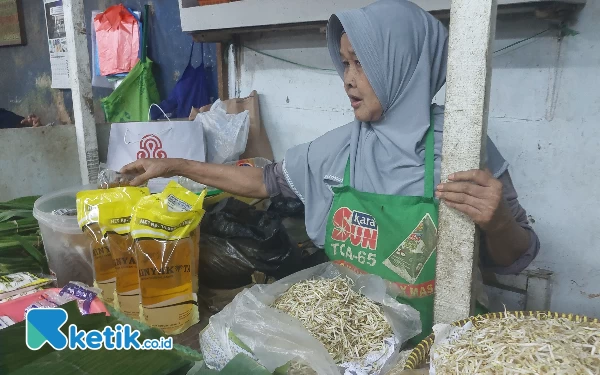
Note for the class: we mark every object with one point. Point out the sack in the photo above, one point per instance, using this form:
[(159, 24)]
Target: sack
[(258, 142), (139, 140), (226, 135), (249, 325), (118, 40), (237, 240)]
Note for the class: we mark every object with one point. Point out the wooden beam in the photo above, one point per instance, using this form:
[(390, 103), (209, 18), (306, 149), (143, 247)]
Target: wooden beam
[(472, 30), (235, 17), (222, 72), (81, 88)]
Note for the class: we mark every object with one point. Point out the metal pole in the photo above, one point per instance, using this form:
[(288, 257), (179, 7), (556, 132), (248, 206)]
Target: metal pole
[(81, 88), (472, 30)]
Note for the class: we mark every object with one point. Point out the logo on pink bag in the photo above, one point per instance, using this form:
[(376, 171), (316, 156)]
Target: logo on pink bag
[(151, 147)]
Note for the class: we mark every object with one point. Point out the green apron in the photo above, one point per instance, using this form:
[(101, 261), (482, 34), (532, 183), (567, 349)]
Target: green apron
[(390, 236)]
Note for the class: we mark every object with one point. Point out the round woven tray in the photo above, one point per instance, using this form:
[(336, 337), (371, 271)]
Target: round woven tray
[(420, 354)]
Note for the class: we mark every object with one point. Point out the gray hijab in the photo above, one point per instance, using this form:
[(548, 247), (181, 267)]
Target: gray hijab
[(402, 50)]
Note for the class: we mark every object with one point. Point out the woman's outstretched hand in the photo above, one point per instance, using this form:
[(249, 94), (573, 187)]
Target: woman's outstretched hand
[(146, 169), (478, 194), (242, 181)]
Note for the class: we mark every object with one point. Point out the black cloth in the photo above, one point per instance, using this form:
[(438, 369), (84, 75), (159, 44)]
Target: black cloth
[(9, 120)]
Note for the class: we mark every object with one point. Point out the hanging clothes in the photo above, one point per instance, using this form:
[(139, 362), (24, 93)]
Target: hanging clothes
[(190, 91), (132, 98), (117, 40)]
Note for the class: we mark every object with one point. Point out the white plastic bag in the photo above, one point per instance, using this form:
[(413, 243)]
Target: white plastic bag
[(275, 338), (226, 135)]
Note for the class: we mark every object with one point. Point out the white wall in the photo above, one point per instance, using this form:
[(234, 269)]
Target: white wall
[(545, 103)]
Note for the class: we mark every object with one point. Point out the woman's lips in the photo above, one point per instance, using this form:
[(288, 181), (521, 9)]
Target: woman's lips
[(355, 102)]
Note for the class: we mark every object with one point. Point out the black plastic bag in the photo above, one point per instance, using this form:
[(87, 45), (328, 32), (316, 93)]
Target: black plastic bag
[(236, 240), (287, 207)]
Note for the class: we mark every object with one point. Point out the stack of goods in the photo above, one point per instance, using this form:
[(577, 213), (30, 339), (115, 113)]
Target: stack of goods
[(145, 250), (23, 291), (114, 192), (82, 294), (20, 284), (518, 344)]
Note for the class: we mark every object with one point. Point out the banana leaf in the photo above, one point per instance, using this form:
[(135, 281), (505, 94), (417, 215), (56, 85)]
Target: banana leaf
[(153, 333), (22, 253), (35, 253), (10, 214), (19, 226), (240, 364), (20, 243), (25, 203)]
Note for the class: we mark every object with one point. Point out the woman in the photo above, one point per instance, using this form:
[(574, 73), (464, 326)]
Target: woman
[(370, 187)]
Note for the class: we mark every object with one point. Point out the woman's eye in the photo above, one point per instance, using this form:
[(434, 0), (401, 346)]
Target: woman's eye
[(357, 63), (346, 63)]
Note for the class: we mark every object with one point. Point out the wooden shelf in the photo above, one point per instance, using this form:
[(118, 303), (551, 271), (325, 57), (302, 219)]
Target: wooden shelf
[(218, 22)]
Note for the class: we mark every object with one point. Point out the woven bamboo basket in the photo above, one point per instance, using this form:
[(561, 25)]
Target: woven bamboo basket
[(420, 354)]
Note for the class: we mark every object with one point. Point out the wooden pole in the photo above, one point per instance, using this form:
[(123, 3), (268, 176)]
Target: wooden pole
[(222, 72), (472, 30), (81, 88)]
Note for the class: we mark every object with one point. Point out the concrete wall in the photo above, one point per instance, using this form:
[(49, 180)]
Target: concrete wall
[(35, 161), (545, 103)]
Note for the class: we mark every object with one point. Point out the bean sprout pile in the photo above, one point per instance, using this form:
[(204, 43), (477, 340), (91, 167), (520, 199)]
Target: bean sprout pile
[(528, 345), (349, 325)]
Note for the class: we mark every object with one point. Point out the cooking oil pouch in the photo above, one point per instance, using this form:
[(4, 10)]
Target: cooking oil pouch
[(114, 218), (164, 229), (105, 275)]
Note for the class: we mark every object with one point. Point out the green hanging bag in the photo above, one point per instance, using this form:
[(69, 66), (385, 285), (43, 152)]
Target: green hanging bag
[(131, 100)]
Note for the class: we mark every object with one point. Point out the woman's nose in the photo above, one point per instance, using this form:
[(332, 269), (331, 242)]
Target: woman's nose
[(349, 80)]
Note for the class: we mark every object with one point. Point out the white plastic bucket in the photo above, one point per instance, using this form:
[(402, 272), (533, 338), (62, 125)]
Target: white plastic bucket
[(68, 248)]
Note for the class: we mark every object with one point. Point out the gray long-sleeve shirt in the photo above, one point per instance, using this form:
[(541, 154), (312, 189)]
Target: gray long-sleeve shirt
[(277, 185)]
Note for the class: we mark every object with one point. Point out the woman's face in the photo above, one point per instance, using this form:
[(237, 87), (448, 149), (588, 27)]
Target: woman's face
[(362, 97)]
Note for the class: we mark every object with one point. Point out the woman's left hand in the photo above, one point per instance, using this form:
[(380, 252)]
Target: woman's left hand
[(478, 194)]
